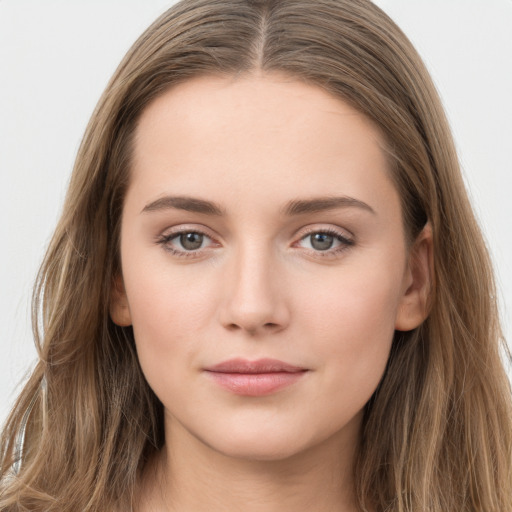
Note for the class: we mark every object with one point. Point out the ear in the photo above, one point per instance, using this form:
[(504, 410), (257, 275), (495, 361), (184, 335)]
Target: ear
[(414, 304), (119, 309)]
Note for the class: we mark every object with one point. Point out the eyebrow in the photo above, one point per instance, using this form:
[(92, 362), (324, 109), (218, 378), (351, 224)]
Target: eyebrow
[(294, 207), (321, 204), (189, 204)]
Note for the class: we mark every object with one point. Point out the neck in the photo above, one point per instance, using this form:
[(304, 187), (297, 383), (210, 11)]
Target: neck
[(189, 475)]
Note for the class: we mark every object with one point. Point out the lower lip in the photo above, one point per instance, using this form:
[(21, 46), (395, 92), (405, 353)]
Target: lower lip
[(256, 384)]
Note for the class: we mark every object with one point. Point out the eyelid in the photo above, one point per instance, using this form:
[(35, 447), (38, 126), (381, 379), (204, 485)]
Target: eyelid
[(187, 228), (343, 233)]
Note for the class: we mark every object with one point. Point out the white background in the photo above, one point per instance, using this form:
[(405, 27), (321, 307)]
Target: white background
[(56, 57)]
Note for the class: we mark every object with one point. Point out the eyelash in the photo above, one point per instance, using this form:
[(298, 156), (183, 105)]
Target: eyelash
[(345, 243)]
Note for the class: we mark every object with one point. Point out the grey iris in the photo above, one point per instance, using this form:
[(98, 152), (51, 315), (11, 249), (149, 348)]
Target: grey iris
[(321, 241), (191, 241)]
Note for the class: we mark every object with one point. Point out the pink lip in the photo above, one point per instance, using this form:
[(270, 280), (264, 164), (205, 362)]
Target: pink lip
[(255, 378)]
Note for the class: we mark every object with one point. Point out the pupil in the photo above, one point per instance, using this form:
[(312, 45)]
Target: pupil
[(191, 241), (321, 241)]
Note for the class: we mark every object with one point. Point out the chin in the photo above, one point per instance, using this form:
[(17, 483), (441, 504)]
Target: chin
[(265, 444), (260, 450)]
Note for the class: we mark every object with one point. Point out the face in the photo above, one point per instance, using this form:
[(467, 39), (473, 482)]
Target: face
[(264, 267)]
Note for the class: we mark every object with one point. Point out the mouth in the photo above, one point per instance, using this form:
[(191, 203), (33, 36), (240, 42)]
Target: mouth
[(255, 378)]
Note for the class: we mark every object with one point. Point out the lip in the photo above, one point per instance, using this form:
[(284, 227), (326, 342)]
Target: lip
[(240, 365), (255, 378)]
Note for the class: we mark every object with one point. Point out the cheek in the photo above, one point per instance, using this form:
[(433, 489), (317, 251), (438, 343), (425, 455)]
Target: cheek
[(352, 319), (355, 297), (168, 311)]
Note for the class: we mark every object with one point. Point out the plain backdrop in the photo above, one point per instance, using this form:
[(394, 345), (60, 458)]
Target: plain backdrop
[(56, 57)]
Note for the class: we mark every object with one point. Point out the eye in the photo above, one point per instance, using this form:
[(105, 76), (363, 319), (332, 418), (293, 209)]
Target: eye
[(328, 241), (186, 242)]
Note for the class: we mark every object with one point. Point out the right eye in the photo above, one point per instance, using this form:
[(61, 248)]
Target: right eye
[(191, 241), (185, 243)]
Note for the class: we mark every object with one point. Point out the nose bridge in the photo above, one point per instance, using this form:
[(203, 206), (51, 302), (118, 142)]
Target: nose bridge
[(254, 297)]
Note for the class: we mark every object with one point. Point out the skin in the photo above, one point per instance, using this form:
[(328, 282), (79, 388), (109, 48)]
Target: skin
[(259, 287)]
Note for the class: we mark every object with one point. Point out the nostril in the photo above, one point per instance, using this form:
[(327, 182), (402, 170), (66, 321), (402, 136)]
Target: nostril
[(253, 329)]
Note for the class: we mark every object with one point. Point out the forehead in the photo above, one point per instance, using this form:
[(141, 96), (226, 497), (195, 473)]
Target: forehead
[(267, 135), (266, 106)]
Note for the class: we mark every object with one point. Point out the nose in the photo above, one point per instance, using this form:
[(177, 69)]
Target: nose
[(254, 295)]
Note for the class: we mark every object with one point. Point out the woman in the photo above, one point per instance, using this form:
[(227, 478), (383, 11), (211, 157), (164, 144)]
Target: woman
[(267, 288)]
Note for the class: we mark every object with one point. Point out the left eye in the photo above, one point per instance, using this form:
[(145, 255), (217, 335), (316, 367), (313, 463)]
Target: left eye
[(322, 241)]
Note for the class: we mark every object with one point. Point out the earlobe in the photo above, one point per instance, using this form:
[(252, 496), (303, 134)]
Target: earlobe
[(414, 305), (119, 309)]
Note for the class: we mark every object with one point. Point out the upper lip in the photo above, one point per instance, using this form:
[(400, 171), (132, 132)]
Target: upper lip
[(259, 366)]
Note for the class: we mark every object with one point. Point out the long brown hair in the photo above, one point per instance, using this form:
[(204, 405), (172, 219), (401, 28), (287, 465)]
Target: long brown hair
[(437, 434)]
